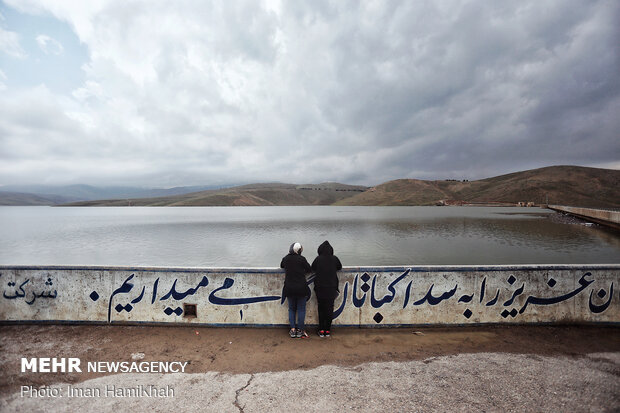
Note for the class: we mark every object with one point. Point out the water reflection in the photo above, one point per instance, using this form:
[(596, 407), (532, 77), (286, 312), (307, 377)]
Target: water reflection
[(260, 236)]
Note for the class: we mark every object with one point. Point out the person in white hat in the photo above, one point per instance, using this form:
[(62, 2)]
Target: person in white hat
[(296, 289)]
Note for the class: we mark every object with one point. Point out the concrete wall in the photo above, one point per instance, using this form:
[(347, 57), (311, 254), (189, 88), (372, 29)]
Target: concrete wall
[(370, 296), (602, 216)]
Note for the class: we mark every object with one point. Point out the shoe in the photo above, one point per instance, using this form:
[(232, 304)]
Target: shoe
[(298, 333), (293, 333), (327, 333), (321, 333), (304, 334)]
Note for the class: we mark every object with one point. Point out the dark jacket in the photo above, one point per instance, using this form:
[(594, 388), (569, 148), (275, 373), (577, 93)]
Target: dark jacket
[(295, 267), (325, 267)]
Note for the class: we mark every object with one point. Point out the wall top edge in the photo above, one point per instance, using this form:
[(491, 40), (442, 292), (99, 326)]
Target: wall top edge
[(413, 268)]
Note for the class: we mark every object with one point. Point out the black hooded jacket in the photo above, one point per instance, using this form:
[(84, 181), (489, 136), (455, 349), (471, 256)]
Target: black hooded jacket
[(295, 266), (325, 266)]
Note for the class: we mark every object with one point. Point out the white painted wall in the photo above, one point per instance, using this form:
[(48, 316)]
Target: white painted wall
[(370, 296)]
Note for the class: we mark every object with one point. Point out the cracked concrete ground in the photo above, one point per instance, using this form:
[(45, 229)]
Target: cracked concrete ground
[(483, 368), (466, 383), (236, 403)]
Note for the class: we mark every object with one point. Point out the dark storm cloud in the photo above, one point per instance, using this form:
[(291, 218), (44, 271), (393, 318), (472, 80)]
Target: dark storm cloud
[(528, 84), (359, 92)]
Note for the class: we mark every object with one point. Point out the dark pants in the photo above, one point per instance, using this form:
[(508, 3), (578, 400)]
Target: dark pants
[(297, 307), (326, 313)]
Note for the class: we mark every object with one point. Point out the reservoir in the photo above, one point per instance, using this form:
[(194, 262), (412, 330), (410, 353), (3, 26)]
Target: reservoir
[(260, 236)]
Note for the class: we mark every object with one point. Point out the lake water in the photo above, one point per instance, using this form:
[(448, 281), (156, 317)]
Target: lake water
[(260, 236)]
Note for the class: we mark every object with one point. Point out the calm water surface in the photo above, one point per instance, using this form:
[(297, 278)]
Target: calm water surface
[(260, 236)]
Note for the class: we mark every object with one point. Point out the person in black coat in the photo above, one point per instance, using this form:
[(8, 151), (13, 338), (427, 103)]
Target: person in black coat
[(326, 285), (296, 289)]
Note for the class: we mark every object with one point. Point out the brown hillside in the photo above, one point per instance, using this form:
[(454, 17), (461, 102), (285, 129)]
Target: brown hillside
[(567, 185), (247, 195)]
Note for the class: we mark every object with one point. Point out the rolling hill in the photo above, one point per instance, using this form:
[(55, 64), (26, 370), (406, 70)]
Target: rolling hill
[(247, 195), (565, 185)]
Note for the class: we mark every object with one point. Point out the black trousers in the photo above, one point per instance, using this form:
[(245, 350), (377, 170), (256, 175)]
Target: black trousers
[(326, 313)]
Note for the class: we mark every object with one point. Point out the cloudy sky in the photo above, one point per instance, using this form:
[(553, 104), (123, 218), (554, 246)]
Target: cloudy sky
[(161, 93)]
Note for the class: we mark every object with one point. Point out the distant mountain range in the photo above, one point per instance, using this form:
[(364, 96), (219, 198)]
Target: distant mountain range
[(21, 198), (567, 185), (55, 195), (248, 195)]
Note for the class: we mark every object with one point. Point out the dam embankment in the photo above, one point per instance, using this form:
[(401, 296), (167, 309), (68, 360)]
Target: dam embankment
[(369, 296), (606, 217)]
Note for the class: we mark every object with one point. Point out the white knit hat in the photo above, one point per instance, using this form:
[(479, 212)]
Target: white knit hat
[(297, 248)]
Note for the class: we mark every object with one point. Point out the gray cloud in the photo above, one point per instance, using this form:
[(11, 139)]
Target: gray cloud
[(359, 92)]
